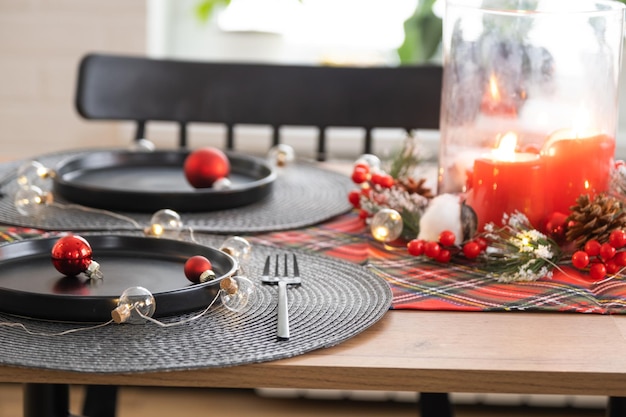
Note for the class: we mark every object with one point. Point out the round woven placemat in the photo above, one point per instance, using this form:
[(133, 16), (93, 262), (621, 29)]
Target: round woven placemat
[(336, 301), (302, 195)]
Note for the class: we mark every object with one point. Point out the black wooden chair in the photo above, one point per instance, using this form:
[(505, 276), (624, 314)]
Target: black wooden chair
[(141, 89)]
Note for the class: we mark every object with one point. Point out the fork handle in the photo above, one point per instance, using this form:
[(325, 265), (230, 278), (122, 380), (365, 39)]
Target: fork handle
[(283, 314)]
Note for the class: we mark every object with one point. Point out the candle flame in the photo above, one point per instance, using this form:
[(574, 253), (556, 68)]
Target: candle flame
[(493, 88), (506, 148)]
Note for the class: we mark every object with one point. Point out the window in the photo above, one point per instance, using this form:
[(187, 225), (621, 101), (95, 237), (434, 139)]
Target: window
[(289, 31)]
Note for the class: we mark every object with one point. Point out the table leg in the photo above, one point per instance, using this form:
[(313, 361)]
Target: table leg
[(100, 401), (435, 404), (46, 400), (616, 407)]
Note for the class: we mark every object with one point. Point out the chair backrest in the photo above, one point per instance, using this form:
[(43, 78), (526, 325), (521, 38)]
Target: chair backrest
[(142, 89)]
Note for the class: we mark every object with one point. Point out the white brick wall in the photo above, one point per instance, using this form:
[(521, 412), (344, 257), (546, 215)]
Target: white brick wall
[(41, 43)]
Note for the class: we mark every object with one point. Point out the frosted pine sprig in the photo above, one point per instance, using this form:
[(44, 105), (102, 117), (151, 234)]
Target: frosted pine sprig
[(518, 252)]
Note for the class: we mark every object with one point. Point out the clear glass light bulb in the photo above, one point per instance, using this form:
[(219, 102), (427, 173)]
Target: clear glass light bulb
[(34, 173), (30, 201), (165, 223), (281, 155), (386, 225), (223, 184), (370, 160), (142, 145), (236, 292), (237, 247), (132, 301)]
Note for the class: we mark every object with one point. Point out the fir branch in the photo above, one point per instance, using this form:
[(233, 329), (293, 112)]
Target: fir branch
[(517, 252)]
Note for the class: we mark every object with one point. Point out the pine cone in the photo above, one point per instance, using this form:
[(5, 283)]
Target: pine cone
[(413, 186), (594, 219)]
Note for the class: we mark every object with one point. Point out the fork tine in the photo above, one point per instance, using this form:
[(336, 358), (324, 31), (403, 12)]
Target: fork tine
[(286, 267), (296, 270), (266, 268), (276, 266)]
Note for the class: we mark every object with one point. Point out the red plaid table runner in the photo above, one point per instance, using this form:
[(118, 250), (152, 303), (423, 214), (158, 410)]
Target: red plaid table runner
[(423, 285)]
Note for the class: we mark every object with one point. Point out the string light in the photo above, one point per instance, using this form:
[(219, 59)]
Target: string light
[(386, 225), (281, 155), (165, 223)]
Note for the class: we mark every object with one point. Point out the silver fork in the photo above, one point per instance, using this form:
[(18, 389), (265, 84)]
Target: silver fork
[(282, 282)]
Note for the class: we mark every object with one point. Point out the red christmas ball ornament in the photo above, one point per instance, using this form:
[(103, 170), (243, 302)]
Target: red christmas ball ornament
[(556, 226), (198, 269), (205, 166), (72, 254)]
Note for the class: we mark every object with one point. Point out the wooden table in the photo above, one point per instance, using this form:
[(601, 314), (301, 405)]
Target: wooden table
[(425, 352)]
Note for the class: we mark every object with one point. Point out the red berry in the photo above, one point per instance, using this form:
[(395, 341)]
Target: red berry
[(620, 258), (387, 181), (482, 243), (471, 250), (360, 175), (580, 259), (607, 251), (362, 165), (416, 247), (447, 238), (363, 214), (377, 178), (592, 247), (597, 271), (432, 249), (617, 238), (612, 267), (354, 197), (444, 256)]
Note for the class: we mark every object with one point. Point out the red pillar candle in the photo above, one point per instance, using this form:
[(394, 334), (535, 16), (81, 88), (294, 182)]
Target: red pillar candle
[(576, 164), (506, 183)]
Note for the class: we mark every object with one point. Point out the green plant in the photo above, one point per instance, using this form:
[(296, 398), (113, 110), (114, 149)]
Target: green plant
[(422, 34), (204, 8)]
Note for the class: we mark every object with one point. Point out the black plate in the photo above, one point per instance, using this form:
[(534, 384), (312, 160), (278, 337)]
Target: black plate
[(30, 285), (150, 181)]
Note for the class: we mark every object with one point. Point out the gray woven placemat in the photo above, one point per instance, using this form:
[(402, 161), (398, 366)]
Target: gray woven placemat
[(302, 195), (336, 301)]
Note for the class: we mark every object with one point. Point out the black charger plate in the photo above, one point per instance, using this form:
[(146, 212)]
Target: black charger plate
[(30, 286), (150, 181)]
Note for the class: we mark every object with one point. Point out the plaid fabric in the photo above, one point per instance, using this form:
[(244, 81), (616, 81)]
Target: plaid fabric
[(422, 285)]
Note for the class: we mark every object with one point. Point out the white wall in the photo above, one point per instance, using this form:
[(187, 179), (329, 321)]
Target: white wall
[(41, 43)]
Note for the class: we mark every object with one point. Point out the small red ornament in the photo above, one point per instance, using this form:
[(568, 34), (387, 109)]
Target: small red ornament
[(205, 166), (556, 226), (72, 255), (198, 269)]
